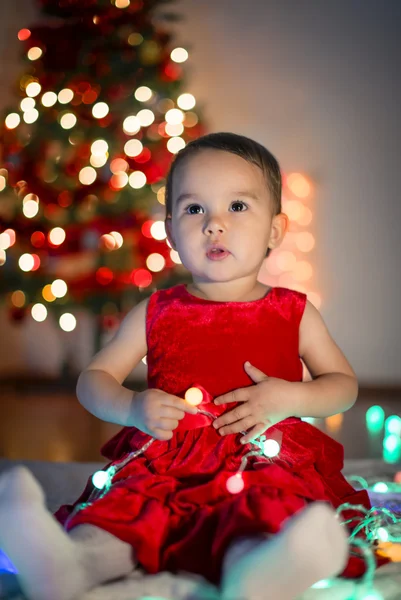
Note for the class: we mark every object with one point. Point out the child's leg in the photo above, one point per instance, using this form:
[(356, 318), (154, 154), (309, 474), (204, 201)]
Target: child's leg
[(311, 547), (51, 564)]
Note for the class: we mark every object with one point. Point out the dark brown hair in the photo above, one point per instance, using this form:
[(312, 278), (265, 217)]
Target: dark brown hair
[(248, 149)]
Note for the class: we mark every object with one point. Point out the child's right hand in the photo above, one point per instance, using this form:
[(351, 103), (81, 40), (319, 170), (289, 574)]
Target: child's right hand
[(157, 413)]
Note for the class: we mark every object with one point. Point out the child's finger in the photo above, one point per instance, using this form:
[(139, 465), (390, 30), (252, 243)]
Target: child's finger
[(253, 433), (171, 412), (167, 424), (179, 403), (238, 413), (238, 395), (161, 434), (242, 425)]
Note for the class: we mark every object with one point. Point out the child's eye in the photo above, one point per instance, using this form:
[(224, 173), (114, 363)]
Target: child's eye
[(192, 206), (240, 203), (236, 203)]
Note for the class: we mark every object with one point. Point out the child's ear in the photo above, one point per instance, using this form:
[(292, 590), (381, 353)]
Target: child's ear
[(279, 228), (168, 226)]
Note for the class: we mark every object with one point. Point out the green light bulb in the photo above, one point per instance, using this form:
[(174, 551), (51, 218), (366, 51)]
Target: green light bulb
[(375, 418), (99, 479), (322, 584), (380, 487), (373, 596), (393, 425), (392, 443)]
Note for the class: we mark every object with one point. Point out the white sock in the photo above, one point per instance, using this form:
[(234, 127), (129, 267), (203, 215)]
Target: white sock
[(312, 546), (103, 556), (43, 554)]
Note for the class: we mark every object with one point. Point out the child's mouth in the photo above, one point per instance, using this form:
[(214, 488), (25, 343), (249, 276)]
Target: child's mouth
[(217, 254)]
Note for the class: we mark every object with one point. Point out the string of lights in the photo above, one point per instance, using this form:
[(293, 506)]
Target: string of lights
[(368, 529)]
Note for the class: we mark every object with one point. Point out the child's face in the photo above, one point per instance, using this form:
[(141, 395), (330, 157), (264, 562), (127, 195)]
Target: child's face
[(227, 201)]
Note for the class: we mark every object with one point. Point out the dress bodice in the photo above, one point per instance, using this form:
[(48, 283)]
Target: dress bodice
[(194, 340)]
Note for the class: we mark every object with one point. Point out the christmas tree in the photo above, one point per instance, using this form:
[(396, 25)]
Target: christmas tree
[(102, 109)]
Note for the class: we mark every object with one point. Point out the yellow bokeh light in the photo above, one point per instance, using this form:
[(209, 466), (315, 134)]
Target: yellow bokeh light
[(68, 121), (137, 179), (158, 230), (133, 148), (175, 144), (334, 422), (286, 260), (7, 239), (118, 238), (34, 53), (98, 160), (3, 182), (12, 120), (161, 195), (175, 257), (3, 257), (30, 116), (87, 175), (299, 185), (286, 280), (293, 209), (179, 55), (65, 96), (18, 298), (305, 241), (146, 117), (49, 99), (107, 241), (191, 119), (59, 288), (48, 294), (302, 271), (155, 262), (131, 125), (122, 3), (135, 39), (100, 110), (57, 236), (174, 130), (306, 217), (175, 116), (30, 209), (33, 89), (186, 101), (99, 147), (67, 322), (39, 312), (143, 94), (194, 396), (27, 104), (29, 197), (26, 262)]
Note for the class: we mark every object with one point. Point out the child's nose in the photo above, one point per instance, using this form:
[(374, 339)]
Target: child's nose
[(215, 224)]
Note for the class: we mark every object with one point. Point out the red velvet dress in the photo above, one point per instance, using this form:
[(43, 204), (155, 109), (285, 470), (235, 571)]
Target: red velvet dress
[(171, 503)]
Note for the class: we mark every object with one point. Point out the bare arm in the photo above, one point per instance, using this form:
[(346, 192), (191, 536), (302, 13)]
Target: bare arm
[(99, 387), (334, 386)]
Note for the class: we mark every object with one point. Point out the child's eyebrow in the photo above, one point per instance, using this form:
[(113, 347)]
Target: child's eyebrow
[(247, 194)]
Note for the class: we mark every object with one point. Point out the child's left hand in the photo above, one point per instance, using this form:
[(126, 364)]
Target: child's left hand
[(264, 404)]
